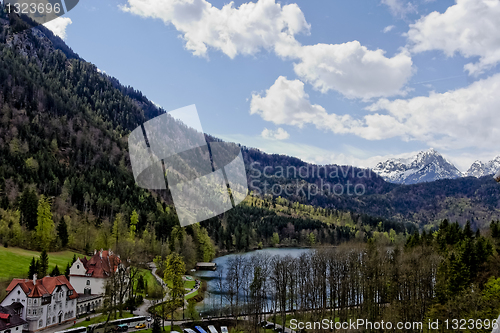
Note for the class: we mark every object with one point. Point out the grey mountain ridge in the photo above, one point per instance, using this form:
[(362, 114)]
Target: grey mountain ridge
[(428, 166)]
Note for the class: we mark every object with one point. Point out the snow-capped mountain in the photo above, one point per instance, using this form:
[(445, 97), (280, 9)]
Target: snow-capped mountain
[(479, 169), (426, 166)]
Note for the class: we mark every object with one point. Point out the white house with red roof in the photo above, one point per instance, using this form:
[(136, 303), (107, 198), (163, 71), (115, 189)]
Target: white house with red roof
[(88, 277), (42, 302)]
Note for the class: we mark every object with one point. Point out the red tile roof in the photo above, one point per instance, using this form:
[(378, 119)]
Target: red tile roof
[(101, 264), (43, 287)]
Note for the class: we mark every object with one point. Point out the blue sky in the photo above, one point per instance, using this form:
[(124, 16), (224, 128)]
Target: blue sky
[(346, 82)]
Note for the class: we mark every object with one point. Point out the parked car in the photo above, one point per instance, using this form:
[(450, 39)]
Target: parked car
[(212, 329), (223, 329), (149, 319), (188, 330), (200, 329), (269, 326), (143, 325), (122, 328)]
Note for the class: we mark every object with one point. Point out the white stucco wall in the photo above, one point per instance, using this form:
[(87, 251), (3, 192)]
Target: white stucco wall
[(16, 295), (97, 286)]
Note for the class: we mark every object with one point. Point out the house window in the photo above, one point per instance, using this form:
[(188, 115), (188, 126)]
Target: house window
[(48, 321), (40, 323), (29, 311), (19, 292), (49, 308), (34, 301), (77, 266), (88, 282)]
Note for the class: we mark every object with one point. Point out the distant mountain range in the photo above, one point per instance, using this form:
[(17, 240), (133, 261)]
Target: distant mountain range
[(480, 169), (428, 166)]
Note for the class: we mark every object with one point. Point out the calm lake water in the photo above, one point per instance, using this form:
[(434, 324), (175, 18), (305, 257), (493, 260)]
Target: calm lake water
[(212, 296)]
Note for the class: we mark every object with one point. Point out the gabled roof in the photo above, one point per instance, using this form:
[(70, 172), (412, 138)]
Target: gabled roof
[(43, 287), (9, 319), (101, 265)]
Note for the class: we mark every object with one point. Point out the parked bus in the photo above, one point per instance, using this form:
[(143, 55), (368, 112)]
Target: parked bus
[(112, 325), (74, 330)]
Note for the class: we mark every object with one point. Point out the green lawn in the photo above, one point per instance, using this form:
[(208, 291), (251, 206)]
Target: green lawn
[(149, 278), (15, 261), (189, 284), (192, 295)]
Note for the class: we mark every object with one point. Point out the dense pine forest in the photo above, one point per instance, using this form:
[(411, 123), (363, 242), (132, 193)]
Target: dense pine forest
[(395, 253)]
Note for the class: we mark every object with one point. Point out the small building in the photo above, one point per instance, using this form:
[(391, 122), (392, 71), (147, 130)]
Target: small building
[(206, 266), (88, 276), (42, 303), (10, 319)]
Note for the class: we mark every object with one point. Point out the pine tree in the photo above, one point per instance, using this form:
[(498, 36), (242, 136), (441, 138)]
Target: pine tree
[(55, 271), (28, 207), (134, 219), (43, 264), (33, 269), (66, 271), (62, 232), (45, 225)]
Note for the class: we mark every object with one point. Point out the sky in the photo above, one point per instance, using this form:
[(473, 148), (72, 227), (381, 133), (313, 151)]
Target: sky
[(345, 82)]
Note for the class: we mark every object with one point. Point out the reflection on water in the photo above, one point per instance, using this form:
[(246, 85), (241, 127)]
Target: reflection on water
[(213, 295)]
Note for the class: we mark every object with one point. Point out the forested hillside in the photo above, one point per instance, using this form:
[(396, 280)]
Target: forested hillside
[(63, 150)]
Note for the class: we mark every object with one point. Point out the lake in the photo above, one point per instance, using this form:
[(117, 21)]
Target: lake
[(212, 296)]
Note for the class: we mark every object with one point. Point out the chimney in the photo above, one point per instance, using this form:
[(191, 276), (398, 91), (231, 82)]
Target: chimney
[(34, 279), (100, 253)]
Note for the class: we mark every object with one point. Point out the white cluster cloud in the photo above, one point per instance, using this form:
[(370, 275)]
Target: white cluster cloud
[(58, 26), (279, 134), (465, 117), (348, 68), (400, 7), (286, 103), (470, 27), (243, 30), (456, 119), (353, 70)]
